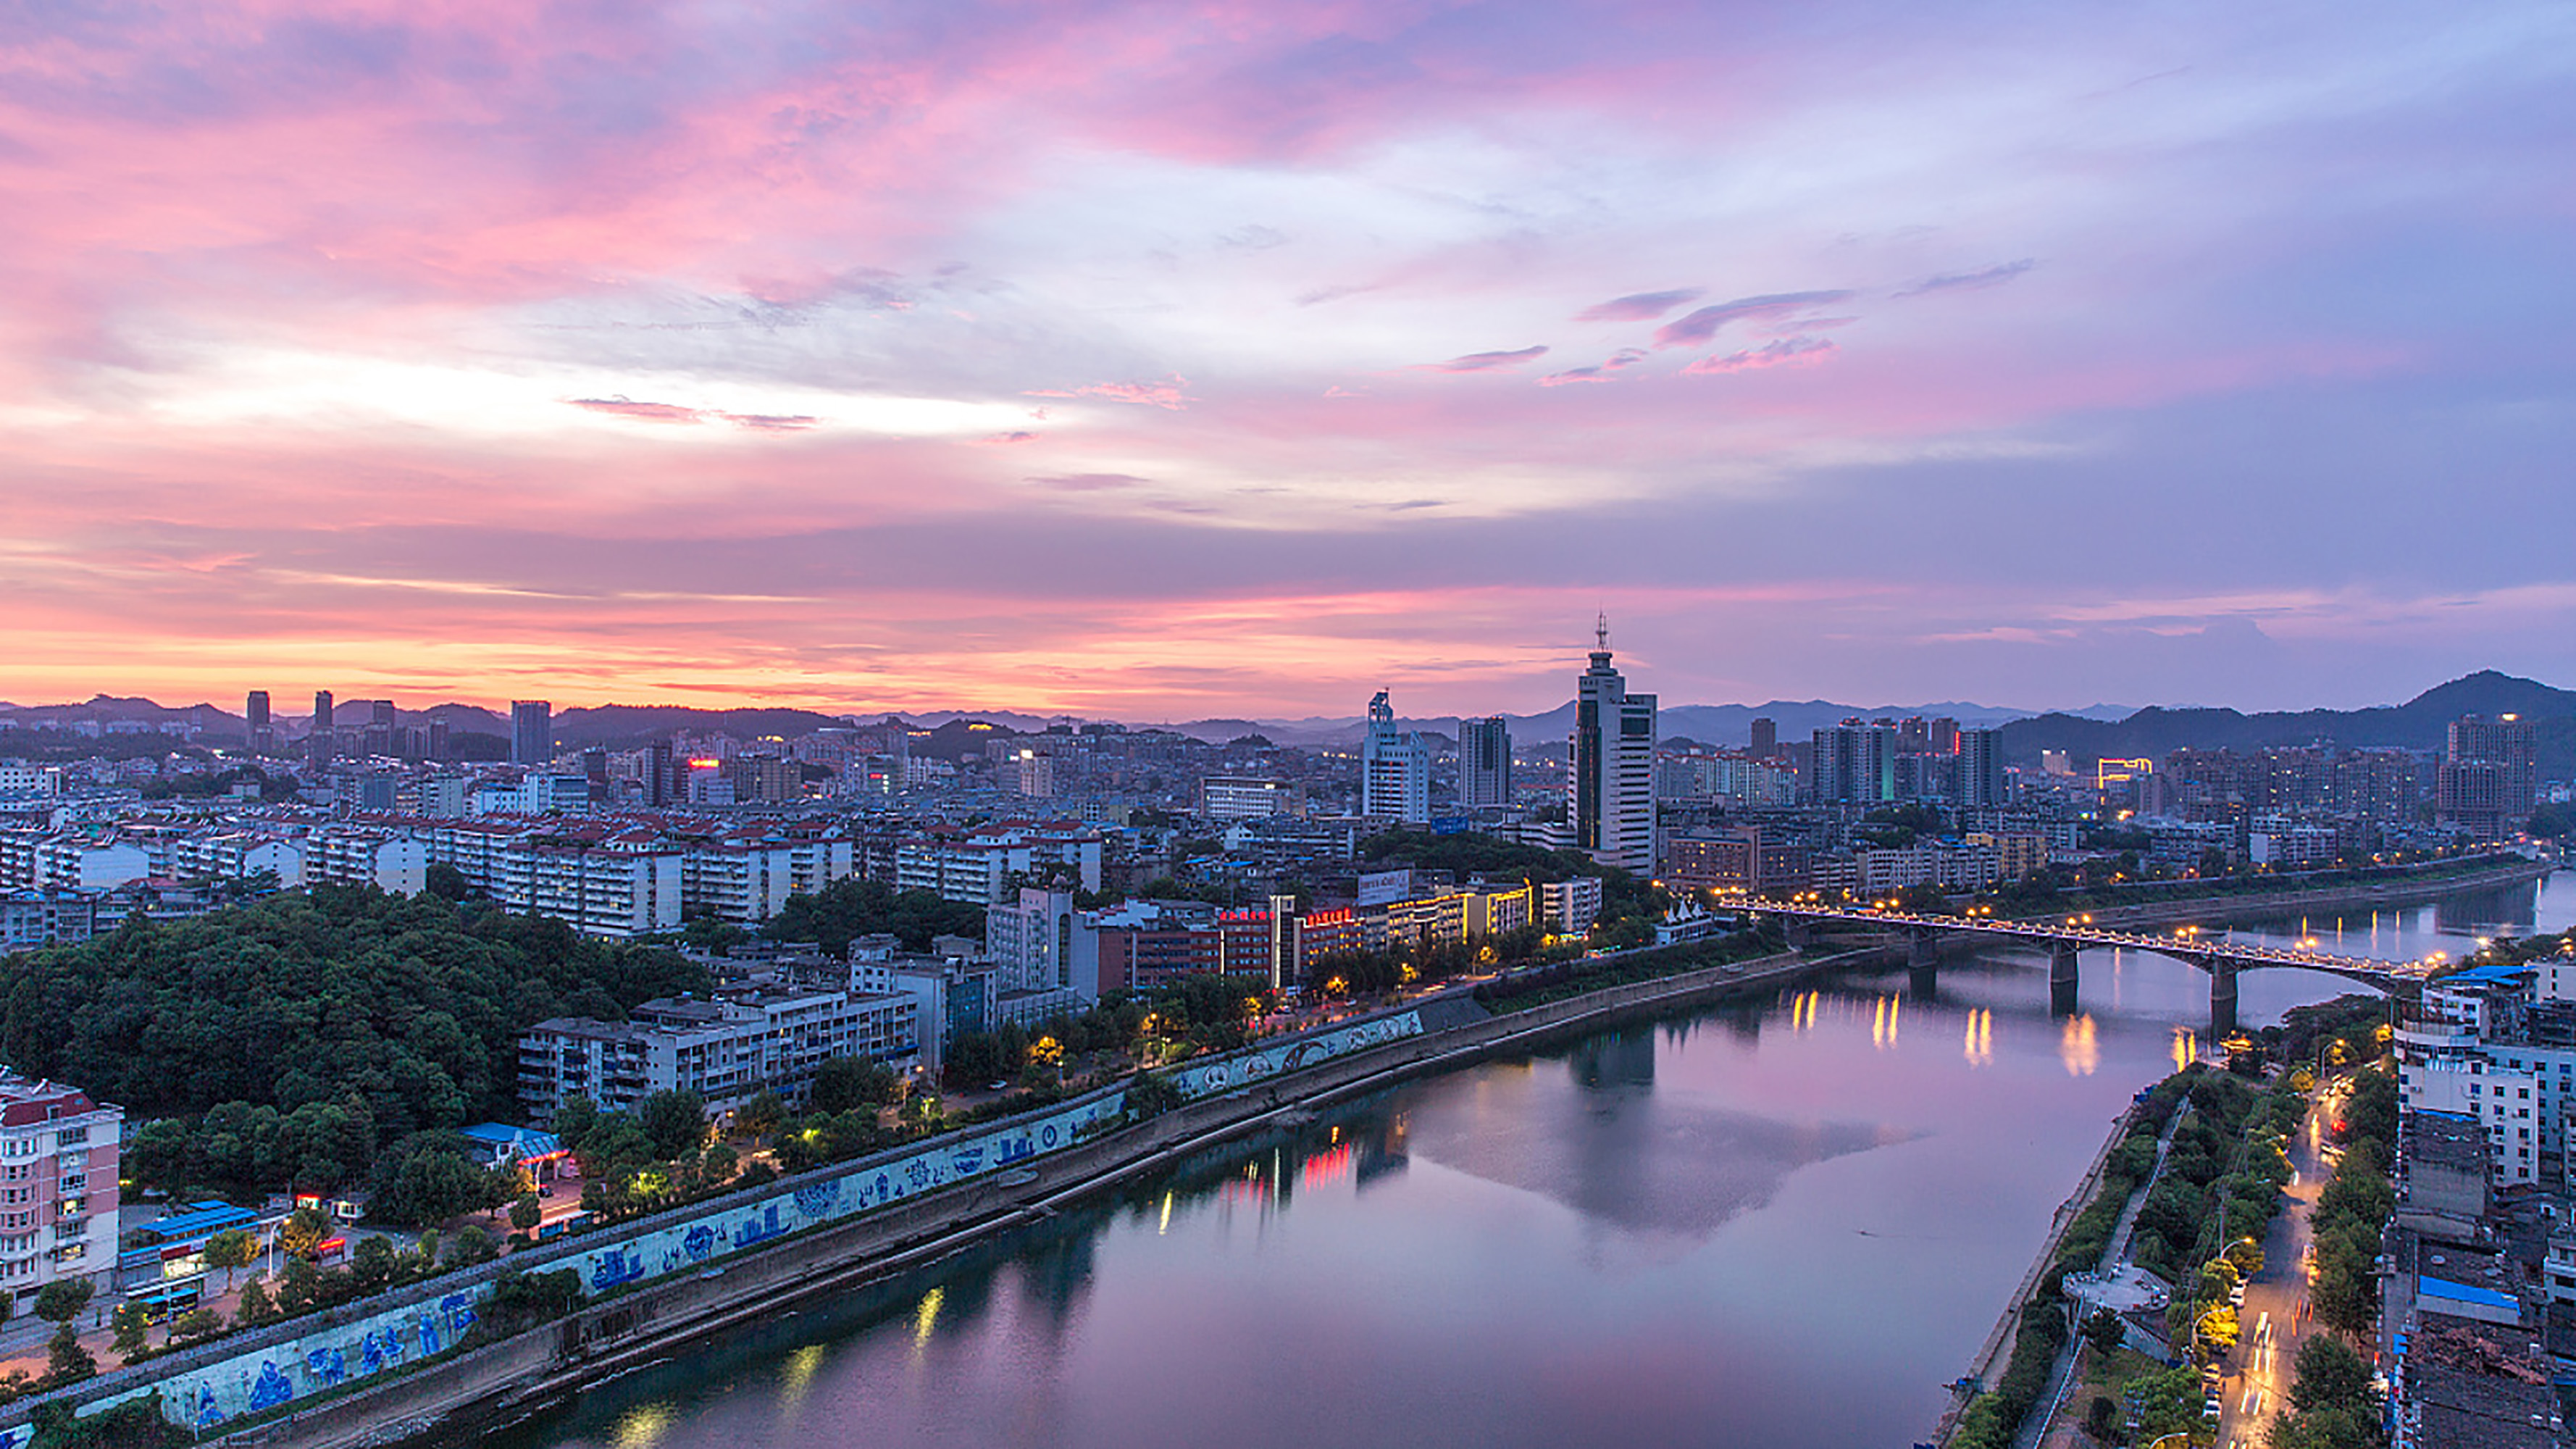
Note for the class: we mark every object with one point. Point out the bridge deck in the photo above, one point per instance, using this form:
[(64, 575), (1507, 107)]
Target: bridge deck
[(2190, 946)]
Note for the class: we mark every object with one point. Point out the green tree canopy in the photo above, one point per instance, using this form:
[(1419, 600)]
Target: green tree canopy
[(848, 909), (411, 1006)]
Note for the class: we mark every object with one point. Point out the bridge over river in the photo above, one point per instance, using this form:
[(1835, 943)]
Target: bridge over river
[(2066, 941)]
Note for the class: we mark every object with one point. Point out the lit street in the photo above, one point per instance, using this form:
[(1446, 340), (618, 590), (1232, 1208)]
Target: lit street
[(2274, 1320)]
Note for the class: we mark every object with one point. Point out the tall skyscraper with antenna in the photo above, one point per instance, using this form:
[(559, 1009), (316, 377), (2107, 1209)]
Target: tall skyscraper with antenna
[(1610, 791)]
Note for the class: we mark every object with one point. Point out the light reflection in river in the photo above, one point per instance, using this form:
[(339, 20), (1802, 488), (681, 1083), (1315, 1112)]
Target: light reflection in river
[(1782, 1224), (2079, 1046), (1981, 1037)]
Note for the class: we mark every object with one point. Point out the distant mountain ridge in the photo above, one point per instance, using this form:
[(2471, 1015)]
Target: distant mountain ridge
[(2096, 732), (2421, 723)]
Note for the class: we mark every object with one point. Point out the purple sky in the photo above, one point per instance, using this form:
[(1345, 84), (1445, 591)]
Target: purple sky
[(1171, 360)]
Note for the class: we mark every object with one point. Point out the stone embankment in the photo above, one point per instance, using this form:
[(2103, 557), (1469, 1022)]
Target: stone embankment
[(444, 1399)]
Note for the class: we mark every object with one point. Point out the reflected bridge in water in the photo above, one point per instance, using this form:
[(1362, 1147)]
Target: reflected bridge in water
[(2220, 957)]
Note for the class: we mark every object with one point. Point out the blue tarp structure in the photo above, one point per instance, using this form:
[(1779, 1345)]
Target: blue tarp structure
[(500, 1142)]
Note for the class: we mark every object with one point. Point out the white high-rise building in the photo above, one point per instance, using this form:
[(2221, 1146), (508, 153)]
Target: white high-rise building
[(1395, 769), (1610, 793)]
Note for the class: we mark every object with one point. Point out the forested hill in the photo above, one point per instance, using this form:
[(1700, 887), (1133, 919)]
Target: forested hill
[(2418, 724), (413, 1005)]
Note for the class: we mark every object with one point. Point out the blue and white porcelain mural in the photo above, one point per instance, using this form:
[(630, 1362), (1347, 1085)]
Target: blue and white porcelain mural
[(279, 1374)]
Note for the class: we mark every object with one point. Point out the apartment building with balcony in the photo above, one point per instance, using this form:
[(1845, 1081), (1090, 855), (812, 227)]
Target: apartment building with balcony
[(727, 1048), (58, 1190), (389, 860), (985, 866)]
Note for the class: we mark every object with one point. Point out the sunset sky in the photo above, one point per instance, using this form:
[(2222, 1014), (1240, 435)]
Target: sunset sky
[(1172, 360)]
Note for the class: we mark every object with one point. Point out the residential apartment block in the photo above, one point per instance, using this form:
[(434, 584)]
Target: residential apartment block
[(58, 1189), (728, 1047)]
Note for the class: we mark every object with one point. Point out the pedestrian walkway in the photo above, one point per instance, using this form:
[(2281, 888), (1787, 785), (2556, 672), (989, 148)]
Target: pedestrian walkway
[(2034, 1427)]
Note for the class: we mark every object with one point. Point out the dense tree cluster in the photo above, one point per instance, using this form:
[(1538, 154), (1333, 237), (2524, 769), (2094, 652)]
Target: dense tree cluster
[(2354, 1206), (1201, 1013), (303, 1033), (845, 910), (2331, 1406)]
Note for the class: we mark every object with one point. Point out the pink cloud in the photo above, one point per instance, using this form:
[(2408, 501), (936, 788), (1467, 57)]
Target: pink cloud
[(642, 412), (1787, 352), (1165, 393), (653, 412)]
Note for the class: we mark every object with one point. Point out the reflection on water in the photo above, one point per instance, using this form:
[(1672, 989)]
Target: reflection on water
[(1784, 1223), (1981, 1038), (2454, 925), (2079, 1047)]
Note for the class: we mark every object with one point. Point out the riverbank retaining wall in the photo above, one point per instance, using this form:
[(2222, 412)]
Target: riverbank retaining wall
[(317, 1355), (373, 1373)]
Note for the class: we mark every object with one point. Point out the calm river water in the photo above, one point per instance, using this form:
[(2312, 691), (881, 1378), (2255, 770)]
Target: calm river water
[(1784, 1224)]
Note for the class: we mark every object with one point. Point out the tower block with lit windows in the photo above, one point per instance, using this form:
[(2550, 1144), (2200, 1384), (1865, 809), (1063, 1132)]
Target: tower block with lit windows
[(1610, 789)]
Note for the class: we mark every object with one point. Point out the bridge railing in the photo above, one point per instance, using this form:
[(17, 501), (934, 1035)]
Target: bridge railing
[(2096, 935)]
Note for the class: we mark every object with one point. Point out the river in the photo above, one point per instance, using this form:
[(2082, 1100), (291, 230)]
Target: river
[(1780, 1224)]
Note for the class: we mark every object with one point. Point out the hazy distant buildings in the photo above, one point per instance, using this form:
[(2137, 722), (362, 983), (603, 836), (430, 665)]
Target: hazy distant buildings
[(531, 732), (2489, 776), (1766, 738), (1224, 797), (1610, 792), (1855, 764), (1033, 773), (1395, 769), (260, 734), (1981, 768), (317, 740), (2381, 785), (1484, 762), (661, 778)]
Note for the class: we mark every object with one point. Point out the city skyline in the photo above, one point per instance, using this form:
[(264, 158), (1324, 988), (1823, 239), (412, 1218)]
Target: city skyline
[(255, 710), (1220, 360)]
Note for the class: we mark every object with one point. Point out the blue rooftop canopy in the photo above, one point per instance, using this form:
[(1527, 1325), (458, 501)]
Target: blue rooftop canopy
[(198, 1219), (2461, 1293), (512, 1144)]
